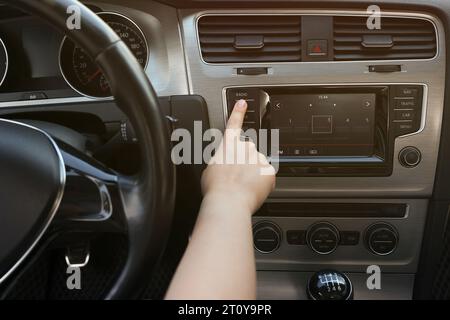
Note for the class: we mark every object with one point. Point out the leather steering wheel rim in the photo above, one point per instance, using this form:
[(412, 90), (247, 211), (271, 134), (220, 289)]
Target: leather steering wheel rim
[(150, 197)]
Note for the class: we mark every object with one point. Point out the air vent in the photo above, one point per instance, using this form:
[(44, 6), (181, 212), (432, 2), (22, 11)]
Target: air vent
[(398, 38), (225, 39)]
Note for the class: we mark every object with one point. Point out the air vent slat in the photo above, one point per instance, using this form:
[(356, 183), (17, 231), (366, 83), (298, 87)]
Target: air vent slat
[(428, 47), (411, 39), (281, 38), (269, 30), (391, 31), (252, 58), (391, 56), (267, 39), (266, 49)]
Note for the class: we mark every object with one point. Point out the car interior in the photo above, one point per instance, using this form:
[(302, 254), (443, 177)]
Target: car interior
[(90, 95)]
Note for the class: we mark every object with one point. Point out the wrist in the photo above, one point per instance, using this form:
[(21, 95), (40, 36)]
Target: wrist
[(227, 203)]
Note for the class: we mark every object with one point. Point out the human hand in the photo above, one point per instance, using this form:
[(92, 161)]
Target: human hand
[(239, 183)]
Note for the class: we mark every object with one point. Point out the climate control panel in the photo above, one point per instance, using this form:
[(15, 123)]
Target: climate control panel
[(324, 238), (340, 234)]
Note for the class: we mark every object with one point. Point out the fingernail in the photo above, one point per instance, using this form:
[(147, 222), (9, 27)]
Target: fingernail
[(241, 104)]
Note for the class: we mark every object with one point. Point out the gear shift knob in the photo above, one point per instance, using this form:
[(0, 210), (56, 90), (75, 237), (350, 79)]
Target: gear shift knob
[(329, 285)]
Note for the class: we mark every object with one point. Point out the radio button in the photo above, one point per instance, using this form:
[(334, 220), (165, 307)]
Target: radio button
[(404, 114), (349, 238), (297, 151), (406, 127), (249, 125), (407, 92), (284, 151), (251, 95), (313, 152), (296, 237), (250, 115), (405, 103)]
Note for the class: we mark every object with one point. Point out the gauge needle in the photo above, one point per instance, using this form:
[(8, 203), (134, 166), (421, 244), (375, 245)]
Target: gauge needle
[(94, 75)]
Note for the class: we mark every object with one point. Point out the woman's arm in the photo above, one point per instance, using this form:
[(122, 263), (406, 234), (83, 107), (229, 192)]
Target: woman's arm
[(219, 262)]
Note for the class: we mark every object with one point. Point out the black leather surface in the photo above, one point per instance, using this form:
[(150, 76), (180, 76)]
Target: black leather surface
[(149, 197), (64, 134), (30, 173)]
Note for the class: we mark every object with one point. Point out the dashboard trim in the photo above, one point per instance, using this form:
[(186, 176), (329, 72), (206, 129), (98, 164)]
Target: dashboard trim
[(42, 102)]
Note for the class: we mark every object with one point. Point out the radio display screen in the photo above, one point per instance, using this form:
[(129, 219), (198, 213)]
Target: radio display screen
[(330, 125)]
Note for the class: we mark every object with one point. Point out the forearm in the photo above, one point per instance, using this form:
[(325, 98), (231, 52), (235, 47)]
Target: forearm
[(219, 261)]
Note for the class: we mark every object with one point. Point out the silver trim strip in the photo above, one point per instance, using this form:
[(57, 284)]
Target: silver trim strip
[(31, 103), (424, 95), (2, 45), (56, 203), (105, 13), (356, 13), (79, 265)]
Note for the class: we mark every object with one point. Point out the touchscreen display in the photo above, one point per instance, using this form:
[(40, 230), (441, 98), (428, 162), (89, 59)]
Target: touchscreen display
[(324, 124)]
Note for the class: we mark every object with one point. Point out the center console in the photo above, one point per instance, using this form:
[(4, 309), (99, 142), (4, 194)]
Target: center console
[(338, 131), (358, 138)]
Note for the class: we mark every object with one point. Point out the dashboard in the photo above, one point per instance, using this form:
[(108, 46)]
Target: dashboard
[(360, 116)]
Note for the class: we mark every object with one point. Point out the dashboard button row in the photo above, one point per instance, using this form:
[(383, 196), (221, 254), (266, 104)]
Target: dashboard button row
[(324, 238), (406, 104)]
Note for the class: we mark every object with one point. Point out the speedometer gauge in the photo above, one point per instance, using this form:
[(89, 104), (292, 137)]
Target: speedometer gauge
[(3, 62), (83, 74)]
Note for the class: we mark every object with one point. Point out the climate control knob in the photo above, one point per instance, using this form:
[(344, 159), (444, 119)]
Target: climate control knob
[(266, 237), (323, 237), (381, 239)]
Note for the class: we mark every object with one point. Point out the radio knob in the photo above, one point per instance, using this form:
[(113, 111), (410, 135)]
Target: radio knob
[(323, 237), (266, 237), (409, 157)]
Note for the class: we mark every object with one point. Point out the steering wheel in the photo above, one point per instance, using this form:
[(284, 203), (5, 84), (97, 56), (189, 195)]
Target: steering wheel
[(38, 172)]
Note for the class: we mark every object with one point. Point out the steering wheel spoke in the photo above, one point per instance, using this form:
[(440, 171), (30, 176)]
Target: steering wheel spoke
[(92, 198)]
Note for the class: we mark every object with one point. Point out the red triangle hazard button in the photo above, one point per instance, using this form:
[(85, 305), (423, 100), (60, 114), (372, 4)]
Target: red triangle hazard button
[(317, 49)]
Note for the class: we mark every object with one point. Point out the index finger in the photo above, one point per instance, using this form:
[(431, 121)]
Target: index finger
[(237, 116)]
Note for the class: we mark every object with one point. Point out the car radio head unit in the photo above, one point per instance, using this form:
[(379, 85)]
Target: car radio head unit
[(333, 130)]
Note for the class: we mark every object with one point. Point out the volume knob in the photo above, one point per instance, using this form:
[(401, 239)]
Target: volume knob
[(409, 157)]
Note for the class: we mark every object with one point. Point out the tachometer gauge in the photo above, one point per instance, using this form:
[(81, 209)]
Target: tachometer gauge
[(3, 62), (83, 74)]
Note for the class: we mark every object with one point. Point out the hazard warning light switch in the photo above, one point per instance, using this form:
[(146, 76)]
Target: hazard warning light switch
[(317, 48)]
